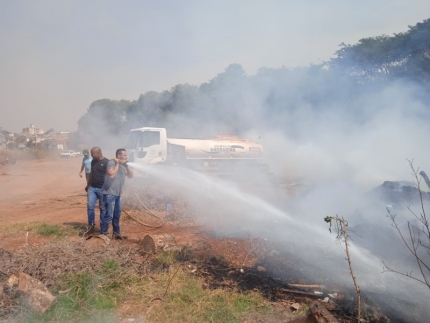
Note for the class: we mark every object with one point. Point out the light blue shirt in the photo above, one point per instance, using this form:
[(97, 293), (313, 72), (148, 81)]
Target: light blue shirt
[(86, 161)]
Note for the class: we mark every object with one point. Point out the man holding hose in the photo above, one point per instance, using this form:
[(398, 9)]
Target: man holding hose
[(117, 170)]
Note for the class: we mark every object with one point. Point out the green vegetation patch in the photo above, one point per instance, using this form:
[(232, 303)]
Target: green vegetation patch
[(86, 297), (47, 230)]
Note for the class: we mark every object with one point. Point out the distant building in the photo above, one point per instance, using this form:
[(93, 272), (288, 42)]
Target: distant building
[(33, 130), (61, 139), (34, 137)]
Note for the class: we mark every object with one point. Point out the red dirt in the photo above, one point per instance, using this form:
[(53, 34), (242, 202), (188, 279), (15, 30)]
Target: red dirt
[(48, 191)]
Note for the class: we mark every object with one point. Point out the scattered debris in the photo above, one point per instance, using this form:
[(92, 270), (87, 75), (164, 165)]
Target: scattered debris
[(12, 282), (295, 307), (35, 294), (293, 291), (29, 292), (104, 237), (306, 286), (317, 314), (321, 315), (151, 244)]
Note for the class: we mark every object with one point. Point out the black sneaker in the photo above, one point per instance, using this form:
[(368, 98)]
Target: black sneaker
[(117, 236)]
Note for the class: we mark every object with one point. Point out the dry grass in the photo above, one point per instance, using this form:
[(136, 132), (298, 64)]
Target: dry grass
[(51, 261), (143, 198), (107, 283), (37, 228), (186, 300), (87, 274)]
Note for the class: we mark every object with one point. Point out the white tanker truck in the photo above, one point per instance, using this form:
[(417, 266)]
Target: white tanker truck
[(151, 146)]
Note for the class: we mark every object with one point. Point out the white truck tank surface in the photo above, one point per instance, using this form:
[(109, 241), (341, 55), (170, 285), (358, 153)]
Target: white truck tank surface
[(219, 148)]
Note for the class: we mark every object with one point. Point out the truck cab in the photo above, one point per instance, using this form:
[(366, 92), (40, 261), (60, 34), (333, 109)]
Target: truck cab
[(147, 145)]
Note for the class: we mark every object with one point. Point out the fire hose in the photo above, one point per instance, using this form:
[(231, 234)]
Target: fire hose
[(147, 211)]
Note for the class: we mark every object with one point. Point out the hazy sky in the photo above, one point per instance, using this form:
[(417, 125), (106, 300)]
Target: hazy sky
[(57, 56)]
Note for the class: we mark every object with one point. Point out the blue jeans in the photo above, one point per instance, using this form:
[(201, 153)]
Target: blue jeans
[(113, 212), (93, 195)]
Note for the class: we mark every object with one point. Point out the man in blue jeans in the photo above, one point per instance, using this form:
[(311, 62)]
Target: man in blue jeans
[(117, 170), (94, 187)]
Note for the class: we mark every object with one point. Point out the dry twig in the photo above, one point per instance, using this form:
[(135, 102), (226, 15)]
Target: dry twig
[(417, 238), (342, 235)]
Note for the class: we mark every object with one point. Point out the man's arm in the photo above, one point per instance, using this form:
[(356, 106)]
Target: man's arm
[(112, 171), (90, 177), (129, 171), (82, 168)]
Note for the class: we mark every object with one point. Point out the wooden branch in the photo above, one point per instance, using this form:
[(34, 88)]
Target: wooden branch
[(306, 286)]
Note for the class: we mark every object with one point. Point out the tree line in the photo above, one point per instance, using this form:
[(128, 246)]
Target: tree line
[(235, 102)]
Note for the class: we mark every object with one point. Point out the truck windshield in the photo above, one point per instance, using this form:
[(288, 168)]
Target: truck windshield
[(149, 138), (132, 140)]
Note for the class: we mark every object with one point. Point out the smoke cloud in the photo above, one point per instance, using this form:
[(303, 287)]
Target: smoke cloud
[(334, 138)]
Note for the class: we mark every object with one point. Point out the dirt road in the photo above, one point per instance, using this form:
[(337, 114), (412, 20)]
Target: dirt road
[(48, 191)]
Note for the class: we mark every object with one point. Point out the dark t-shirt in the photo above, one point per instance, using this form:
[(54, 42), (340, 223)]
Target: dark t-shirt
[(98, 170)]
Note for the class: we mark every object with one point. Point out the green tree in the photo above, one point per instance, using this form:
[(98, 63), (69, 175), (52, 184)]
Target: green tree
[(403, 55)]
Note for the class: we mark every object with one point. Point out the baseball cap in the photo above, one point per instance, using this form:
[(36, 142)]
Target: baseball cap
[(85, 152)]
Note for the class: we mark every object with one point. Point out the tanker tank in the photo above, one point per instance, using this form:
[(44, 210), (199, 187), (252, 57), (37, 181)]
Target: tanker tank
[(219, 148)]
